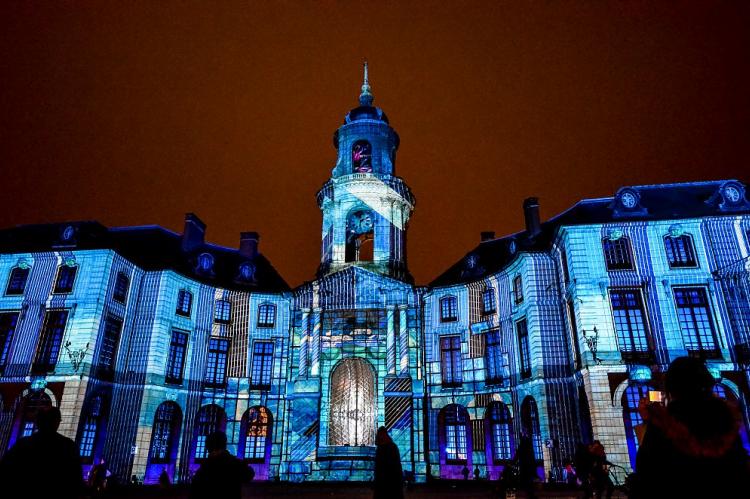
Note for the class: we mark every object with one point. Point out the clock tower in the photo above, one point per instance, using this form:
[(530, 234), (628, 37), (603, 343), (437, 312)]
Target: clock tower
[(365, 206)]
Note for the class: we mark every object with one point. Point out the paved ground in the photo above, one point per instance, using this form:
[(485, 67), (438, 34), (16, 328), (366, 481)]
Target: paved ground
[(458, 490)]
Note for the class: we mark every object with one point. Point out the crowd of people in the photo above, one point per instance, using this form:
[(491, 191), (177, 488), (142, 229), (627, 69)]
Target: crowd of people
[(690, 446)]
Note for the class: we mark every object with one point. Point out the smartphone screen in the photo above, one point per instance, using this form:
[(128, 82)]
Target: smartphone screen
[(654, 396)]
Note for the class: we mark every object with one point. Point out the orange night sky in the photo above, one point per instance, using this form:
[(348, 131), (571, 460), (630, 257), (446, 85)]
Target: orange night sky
[(133, 113)]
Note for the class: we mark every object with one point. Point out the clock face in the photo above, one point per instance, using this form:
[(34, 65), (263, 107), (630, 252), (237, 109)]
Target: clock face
[(732, 194), (362, 157), (628, 200), (360, 222)]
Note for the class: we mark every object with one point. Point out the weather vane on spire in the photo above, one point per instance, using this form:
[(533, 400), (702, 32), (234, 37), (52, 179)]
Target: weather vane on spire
[(365, 98)]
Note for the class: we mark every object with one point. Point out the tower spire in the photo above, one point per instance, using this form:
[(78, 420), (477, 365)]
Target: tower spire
[(365, 98)]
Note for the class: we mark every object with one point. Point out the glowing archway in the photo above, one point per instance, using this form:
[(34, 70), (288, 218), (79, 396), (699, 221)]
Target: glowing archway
[(352, 411)]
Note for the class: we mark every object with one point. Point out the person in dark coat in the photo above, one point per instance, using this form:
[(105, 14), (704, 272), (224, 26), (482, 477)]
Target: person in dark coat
[(221, 475), (45, 464), (526, 466), (691, 447), (388, 473)]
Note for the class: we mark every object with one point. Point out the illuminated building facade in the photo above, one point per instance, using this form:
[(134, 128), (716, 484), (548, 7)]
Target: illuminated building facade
[(150, 340)]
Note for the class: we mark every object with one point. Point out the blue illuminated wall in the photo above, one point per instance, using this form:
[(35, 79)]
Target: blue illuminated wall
[(521, 336)]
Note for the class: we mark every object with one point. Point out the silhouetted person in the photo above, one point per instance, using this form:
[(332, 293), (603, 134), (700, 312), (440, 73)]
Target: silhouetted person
[(388, 473), (45, 464), (221, 475), (476, 472), (691, 447), (465, 472), (600, 481), (526, 462), (164, 481), (98, 478), (584, 463)]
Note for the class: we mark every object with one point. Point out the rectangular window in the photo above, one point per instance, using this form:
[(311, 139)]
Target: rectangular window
[(222, 311), (455, 442), (122, 283), (266, 315), (216, 365), (66, 275), (448, 309), (88, 436), (564, 265), (488, 301), (262, 362), (630, 321), (523, 348), (680, 251), (184, 303), (108, 350), (517, 289), (450, 360), (696, 324), (176, 357), (493, 360), (50, 340), (8, 323), (17, 281), (501, 441), (617, 253)]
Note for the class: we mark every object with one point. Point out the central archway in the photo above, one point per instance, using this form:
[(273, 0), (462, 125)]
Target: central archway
[(352, 411)]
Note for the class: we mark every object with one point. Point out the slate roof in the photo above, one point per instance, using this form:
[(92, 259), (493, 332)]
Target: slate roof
[(655, 202), (151, 248)]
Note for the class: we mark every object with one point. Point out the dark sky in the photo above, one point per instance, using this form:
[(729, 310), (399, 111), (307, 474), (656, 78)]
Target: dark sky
[(133, 113)]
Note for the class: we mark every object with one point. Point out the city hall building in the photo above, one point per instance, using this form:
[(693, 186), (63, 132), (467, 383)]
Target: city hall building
[(148, 340)]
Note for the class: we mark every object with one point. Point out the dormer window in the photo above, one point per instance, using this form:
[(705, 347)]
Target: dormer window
[(205, 262), (617, 253), (448, 309)]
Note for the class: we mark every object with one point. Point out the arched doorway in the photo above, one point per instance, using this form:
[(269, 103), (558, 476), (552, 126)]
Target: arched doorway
[(352, 407)]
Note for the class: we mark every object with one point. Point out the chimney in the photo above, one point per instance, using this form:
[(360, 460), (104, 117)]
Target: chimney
[(249, 244), (487, 235), (194, 233), (531, 214)]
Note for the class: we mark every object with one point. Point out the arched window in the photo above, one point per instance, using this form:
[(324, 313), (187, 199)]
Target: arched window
[(631, 398), (165, 435), (453, 422), (680, 251), (352, 412), (500, 431), (255, 439), (210, 419), (362, 157), (360, 235), (92, 429), (617, 253), (530, 424)]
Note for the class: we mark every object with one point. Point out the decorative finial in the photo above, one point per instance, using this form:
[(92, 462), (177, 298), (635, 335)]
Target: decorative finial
[(365, 98)]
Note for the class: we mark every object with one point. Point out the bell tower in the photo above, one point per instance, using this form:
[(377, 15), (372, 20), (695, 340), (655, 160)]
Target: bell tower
[(366, 207)]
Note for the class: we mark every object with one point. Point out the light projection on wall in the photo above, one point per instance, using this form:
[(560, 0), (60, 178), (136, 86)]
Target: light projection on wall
[(352, 416), (359, 236), (362, 157)]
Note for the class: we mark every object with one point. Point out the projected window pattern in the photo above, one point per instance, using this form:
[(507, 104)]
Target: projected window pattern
[(48, 348), (617, 253), (695, 319), (176, 357), (258, 433), (164, 433), (448, 309), (122, 284), (222, 311), (524, 355), (210, 419), (352, 411), (17, 281), (450, 360), (66, 276), (488, 301), (216, 364), (262, 363), (266, 315), (8, 323), (90, 430), (184, 303), (110, 343), (630, 321), (501, 430), (493, 358), (680, 251), (456, 443)]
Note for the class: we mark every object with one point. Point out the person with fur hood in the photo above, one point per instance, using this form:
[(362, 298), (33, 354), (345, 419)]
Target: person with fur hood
[(691, 446)]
